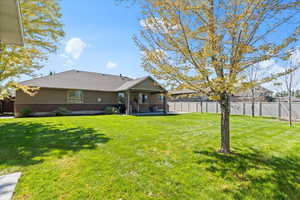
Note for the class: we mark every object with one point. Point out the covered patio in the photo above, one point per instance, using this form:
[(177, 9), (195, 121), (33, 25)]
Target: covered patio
[(146, 101), (143, 95)]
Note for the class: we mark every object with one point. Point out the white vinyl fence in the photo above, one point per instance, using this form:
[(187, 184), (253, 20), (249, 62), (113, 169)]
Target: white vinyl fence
[(266, 109)]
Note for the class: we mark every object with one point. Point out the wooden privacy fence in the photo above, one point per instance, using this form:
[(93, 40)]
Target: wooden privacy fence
[(266, 109)]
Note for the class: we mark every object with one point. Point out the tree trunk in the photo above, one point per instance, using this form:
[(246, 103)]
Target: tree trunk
[(225, 124)]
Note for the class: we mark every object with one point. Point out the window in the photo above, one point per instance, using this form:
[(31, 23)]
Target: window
[(75, 96), (121, 98), (143, 98), (161, 97)]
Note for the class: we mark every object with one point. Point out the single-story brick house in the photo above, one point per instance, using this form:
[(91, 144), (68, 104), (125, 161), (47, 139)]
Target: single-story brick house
[(90, 93)]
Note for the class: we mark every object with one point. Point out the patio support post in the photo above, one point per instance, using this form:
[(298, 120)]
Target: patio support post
[(128, 103)]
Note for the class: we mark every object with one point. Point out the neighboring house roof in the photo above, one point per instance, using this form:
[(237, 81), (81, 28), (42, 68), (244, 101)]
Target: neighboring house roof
[(286, 99), (82, 80), (11, 31), (259, 91), (181, 92)]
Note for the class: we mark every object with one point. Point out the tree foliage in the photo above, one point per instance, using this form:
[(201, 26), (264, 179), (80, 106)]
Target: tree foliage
[(42, 32), (206, 46)]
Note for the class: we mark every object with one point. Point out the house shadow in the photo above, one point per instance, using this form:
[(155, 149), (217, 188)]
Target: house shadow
[(23, 144), (255, 172)]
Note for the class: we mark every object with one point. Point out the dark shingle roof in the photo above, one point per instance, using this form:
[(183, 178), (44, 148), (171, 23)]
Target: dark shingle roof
[(82, 80), (132, 83), (286, 99)]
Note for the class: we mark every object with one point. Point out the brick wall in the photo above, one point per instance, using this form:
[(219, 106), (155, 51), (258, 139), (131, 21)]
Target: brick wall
[(47, 108)]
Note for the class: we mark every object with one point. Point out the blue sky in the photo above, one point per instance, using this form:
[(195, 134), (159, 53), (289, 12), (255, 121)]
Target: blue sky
[(98, 38)]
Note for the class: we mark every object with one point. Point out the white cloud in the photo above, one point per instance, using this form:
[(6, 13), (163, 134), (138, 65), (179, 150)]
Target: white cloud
[(69, 63), (295, 57), (74, 47), (63, 55), (156, 24), (270, 66), (111, 65), (277, 69), (266, 64), (160, 52)]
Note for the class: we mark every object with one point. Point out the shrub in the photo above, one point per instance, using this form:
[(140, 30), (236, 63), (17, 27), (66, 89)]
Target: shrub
[(61, 111), (26, 112), (110, 110)]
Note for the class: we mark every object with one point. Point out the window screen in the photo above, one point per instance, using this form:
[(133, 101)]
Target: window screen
[(75, 96)]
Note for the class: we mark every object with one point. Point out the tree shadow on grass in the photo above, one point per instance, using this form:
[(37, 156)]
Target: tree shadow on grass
[(23, 144), (257, 174)]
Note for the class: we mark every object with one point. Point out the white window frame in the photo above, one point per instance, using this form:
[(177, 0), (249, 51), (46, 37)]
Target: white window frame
[(141, 98)]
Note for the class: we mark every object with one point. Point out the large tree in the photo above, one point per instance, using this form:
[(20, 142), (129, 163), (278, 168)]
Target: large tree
[(42, 32), (206, 45)]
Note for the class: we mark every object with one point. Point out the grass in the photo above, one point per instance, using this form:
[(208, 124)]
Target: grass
[(157, 157)]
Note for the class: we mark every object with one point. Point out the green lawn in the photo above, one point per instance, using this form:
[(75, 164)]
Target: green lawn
[(157, 157)]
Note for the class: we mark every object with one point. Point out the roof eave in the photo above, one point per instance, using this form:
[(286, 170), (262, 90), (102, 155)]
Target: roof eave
[(61, 88), (11, 17)]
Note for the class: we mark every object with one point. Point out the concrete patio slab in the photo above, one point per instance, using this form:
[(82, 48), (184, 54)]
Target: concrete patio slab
[(7, 117), (157, 113), (8, 184)]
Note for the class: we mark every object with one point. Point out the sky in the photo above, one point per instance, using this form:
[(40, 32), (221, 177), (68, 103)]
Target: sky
[(98, 39)]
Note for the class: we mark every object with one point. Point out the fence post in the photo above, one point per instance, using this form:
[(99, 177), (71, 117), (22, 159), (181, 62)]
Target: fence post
[(216, 107), (201, 108), (206, 107), (279, 109), (244, 108), (260, 108), (181, 107)]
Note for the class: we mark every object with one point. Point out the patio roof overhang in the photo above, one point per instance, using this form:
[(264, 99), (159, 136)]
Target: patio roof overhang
[(146, 90), (11, 30)]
